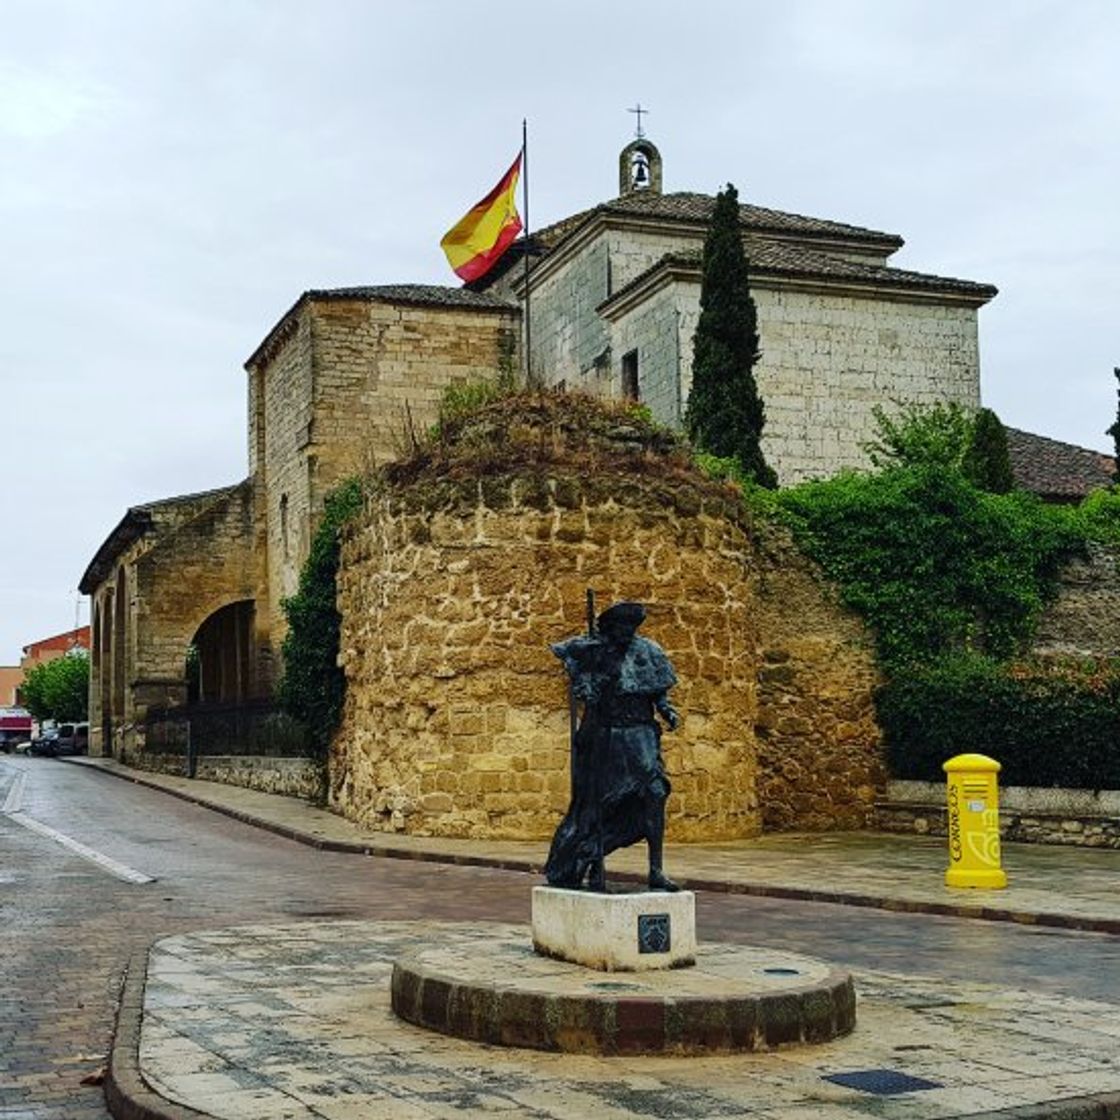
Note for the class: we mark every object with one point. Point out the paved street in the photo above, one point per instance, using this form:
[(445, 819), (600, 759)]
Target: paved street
[(69, 924)]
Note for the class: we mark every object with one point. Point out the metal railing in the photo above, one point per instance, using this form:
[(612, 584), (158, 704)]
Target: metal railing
[(245, 728)]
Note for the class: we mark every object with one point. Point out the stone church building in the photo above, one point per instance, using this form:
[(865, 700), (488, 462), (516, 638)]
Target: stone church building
[(346, 375), (615, 298)]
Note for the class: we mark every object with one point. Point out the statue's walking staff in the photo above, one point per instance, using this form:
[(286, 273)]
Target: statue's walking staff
[(573, 701), (596, 754)]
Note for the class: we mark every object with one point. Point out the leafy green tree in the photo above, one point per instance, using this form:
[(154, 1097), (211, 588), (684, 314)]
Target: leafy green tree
[(916, 435), (725, 414), (1114, 431), (987, 463), (313, 686), (58, 689)]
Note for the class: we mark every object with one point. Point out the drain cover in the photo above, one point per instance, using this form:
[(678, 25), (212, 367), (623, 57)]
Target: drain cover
[(881, 1082)]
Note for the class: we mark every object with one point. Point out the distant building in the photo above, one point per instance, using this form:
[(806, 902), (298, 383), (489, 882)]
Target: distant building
[(11, 677), (45, 649)]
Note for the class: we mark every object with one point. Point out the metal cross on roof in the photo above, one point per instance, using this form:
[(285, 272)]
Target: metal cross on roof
[(639, 111)]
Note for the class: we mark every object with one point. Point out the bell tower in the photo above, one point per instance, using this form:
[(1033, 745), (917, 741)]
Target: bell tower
[(639, 163)]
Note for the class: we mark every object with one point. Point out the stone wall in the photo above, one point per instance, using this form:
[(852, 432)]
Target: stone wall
[(337, 388), (1084, 619), (828, 357), (571, 343), (1085, 818), (288, 777), (819, 747), (196, 557), (653, 330), (456, 716)]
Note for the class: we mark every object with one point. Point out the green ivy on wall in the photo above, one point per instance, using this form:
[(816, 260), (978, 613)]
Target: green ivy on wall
[(313, 685), (952, 580)]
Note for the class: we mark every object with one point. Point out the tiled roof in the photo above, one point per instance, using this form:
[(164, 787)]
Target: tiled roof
[(692, 208), (688, 206), (422, 295), (783, 258), (435, 295), (1053, 469)]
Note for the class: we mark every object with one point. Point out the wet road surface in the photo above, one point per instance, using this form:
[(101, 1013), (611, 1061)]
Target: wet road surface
[(69, 925)]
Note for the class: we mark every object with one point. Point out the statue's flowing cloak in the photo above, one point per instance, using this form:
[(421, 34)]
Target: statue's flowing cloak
[(616, 763)]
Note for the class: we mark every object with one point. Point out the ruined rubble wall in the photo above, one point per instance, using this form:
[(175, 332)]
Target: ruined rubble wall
[(456, 717)]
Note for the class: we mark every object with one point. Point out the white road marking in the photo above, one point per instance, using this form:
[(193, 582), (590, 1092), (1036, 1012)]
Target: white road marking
[(103, 861), (14, 801)]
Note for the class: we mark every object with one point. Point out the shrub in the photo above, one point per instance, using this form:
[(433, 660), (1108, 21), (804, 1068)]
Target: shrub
[(918, 435), (1048, 725)]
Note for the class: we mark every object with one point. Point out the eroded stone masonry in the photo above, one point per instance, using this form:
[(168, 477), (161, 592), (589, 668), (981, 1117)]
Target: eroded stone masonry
[(456, 719)]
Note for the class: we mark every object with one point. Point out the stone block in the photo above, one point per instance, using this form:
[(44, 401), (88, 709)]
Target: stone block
[(615, 932)]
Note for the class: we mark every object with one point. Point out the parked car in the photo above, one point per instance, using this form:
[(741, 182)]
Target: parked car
[(43, 743), (61, 739), (73, 738)]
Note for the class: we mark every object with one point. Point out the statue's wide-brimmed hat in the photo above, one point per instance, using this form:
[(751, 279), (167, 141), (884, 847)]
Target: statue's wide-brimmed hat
[(624, 614)]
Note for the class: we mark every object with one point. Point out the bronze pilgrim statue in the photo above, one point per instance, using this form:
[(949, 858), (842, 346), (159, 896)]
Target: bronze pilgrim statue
[(619, 786)]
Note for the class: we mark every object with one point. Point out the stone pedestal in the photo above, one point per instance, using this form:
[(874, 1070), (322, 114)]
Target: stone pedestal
[(483, 984), (615, 932)]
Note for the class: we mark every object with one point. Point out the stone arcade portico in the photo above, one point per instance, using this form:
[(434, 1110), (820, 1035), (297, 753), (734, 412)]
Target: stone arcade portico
[(172, 575)]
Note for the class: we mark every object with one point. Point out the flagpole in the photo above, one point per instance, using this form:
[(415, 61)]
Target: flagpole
[(527, 333)]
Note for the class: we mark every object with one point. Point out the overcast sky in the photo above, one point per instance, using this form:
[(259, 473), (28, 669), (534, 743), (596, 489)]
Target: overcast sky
[(174, 174)]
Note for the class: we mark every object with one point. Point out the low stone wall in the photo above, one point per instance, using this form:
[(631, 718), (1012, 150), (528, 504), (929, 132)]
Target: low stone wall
[(1084, 619), (1086, 818), (290, 777)]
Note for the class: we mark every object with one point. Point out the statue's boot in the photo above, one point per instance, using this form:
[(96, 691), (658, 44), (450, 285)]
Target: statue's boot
[(655, 825), (659, 881), (597, 878)]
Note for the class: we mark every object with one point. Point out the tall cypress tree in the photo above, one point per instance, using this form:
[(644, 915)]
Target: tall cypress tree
[(987, 463), (725, 414), (1114, 431)]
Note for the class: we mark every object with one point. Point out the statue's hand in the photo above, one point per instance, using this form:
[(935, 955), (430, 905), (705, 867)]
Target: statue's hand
[(669, 714)]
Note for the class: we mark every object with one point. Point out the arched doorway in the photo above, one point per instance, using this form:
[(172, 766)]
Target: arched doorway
[(219, 668)]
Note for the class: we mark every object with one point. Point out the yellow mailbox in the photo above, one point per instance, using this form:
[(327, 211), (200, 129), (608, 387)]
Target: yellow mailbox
[(973, 792)]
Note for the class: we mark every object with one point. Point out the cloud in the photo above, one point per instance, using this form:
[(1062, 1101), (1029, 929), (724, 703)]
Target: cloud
[(36, 105)]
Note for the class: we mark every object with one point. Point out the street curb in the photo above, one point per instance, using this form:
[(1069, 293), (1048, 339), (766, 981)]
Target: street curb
[(127, 1094), (712, 886), (1105, 1106)]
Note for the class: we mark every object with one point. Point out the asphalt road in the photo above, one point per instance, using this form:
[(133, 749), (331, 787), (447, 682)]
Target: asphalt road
[(68, 925)]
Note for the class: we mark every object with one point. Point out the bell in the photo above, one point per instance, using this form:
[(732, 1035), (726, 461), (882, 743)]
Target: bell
[(641, 173)]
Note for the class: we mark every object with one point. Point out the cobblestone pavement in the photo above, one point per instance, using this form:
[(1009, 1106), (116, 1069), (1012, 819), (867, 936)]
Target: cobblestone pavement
[(287, 1022), (68, 927)]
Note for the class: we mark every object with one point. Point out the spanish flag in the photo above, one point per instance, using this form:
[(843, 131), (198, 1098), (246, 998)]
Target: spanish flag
[(476, 241)]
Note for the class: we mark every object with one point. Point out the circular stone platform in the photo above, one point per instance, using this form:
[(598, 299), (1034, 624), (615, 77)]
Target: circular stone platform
[(735, 998)]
